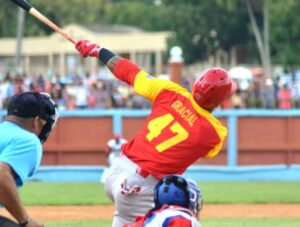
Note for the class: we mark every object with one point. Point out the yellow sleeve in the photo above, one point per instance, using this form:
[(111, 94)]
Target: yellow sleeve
[(150, 87), (222, 132), (220, 129)]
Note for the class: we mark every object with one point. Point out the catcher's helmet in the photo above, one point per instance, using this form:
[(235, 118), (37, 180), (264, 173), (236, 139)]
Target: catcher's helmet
[(175, 190), (212, 87)]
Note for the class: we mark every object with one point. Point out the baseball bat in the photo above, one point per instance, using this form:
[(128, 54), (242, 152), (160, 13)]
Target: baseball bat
[(27, 7)]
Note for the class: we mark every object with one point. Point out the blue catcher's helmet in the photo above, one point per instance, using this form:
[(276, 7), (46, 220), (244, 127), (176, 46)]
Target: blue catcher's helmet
[(175, 190), (196, 199)]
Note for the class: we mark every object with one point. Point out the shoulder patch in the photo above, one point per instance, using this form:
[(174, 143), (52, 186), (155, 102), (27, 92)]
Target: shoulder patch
[(150, 76)]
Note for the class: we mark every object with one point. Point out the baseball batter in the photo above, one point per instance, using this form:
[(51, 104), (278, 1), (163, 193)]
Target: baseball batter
[(179, 130)]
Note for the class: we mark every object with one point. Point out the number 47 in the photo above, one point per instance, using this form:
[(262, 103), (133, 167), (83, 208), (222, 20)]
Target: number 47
[(157, 125)]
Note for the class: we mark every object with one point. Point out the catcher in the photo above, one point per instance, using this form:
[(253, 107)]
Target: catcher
[(178, 203), (179, 130)]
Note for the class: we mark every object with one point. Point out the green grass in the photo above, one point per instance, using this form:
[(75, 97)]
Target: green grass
[(220, 222), (250, 222), (251, 192), (34, 193)]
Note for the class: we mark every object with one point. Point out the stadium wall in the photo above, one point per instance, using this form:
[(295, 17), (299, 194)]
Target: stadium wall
[(261, 145)]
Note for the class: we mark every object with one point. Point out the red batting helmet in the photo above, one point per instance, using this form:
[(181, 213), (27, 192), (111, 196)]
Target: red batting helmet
[(212, 87)]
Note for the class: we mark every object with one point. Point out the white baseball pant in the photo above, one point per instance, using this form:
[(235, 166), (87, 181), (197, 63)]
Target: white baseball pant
[(131, 193)]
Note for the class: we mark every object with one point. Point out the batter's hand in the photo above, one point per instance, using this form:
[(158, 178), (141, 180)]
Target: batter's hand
[(88, 48)]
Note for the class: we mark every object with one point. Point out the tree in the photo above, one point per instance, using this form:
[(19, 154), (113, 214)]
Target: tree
[(8, 18), (285, 32), (200, 27), (262, 38)]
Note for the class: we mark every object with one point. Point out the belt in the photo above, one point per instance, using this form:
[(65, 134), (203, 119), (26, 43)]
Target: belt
[(143, 173)]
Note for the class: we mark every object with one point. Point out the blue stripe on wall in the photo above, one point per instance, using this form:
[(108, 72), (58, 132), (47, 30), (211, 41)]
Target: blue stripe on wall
[(198, 173)]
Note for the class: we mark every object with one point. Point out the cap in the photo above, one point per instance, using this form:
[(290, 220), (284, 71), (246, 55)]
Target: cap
[(117, 136), (26, 105)]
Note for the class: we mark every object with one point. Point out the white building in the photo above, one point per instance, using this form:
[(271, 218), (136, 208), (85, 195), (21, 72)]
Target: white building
[(54, 54)]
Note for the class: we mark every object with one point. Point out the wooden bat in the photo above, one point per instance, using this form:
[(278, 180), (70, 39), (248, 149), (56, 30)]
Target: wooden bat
[(27, 7)]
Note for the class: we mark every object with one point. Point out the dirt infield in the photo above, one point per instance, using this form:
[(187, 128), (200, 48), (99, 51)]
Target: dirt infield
[(58, 213)]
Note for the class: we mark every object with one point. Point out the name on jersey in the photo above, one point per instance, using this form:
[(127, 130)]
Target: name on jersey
[(184, 112)]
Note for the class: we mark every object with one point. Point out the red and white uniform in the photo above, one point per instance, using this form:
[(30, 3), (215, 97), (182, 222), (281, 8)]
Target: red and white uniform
[(113, 150), (176, 133), (169, 216)]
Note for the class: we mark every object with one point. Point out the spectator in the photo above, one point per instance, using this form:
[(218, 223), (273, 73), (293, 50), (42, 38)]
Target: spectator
[(19, 85), (117, 99), (268, 94), (7, 89), (276, 90), (285, 97), (41, 83), (295, 91), (98, 98), (236, 99), (80, 94), (27, 81)]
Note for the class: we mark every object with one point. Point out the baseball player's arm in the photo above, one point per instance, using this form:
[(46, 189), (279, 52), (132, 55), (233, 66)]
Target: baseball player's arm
[(125, 70), (143, 83), (122, 68), (9, 196)]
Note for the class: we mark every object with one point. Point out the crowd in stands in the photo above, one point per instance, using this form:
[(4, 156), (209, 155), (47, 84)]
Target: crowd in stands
[(74, 92), (278, 92), (89, 92)]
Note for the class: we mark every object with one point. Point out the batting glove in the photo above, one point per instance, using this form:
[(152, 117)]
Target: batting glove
[(88, 48)]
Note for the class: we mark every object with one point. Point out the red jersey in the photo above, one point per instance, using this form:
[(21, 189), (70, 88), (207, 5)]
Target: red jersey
[(176, 133)]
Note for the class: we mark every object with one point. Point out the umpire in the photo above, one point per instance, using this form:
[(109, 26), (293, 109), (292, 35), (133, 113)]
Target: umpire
[(30, 118)]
